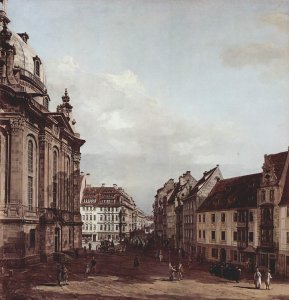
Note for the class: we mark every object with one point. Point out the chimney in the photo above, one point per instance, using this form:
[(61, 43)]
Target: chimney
[(103, 184), (115, 186)]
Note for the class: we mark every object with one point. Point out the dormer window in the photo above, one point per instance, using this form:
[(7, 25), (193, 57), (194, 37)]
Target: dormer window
[(46, 102), (37, 63)]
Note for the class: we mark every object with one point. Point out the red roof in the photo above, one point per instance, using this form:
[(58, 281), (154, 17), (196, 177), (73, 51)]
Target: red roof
[(237, 192)]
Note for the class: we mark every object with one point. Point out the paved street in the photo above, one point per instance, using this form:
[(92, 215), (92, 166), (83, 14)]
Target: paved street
[(115, 278)]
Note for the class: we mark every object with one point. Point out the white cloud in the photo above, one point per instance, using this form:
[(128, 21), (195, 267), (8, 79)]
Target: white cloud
[(133, 138), (67, 64)]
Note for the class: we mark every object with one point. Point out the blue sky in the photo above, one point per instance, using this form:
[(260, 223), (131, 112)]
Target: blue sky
[(162, 87)]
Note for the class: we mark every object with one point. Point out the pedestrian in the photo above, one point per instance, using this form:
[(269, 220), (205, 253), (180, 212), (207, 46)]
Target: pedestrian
[(268, 278), (87, 270), (93, 264), (238, 274), (180, 271), (59, 274), (64, 274), (172, 271), (157, 255), (161, 256), (257, 279), (136, 261)]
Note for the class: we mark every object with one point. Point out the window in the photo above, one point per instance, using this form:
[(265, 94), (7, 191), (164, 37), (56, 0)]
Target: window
[(263, 196), (37, 68), (214, 252), (55, 179), (223, 235), (271, 195), (204, 234), (251, 216), (213, 218), (200, 234), (204, 218), (251, 236), (287, 211), (199, 218), (30, 156), (235, 217), (235, 255), (213, 235), (100, 217), (30, 193), (223, 217), (116, 228), (235, 236), (100, 227)]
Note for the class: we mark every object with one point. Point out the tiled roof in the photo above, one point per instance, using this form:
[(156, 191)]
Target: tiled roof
[(174, 193), (278, 161), (206, 177), (237, 192)]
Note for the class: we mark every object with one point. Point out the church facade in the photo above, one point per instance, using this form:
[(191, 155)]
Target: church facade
[(39, 158)]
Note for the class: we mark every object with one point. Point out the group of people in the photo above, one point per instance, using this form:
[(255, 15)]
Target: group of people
[(258, 279), (176, 271)]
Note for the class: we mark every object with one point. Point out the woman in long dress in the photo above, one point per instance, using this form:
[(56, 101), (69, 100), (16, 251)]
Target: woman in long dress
[(257, 279)]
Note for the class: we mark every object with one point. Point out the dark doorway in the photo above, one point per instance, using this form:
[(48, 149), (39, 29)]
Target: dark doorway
[(272, 262), (223, 255)]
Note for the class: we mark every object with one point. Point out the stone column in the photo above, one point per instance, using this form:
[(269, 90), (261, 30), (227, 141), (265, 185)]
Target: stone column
[(17, 164)]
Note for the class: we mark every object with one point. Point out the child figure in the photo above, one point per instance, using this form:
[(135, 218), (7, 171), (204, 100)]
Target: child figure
[(268, 278)]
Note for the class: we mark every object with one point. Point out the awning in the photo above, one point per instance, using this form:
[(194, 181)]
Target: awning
[(250, 249)]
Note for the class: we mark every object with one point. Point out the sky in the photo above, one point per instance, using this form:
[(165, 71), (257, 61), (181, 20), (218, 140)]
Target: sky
[(163, 87)]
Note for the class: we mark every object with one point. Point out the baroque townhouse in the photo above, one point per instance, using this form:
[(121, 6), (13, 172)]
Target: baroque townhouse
[(227, 221), (107, 213), (272, 213), (39, 158), (159, 208), (192, 202), (186, 183)]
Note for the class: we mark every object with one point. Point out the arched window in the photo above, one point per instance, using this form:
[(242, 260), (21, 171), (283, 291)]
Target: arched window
[(37, 68), (67, 185), (55, 178), (30, 157)]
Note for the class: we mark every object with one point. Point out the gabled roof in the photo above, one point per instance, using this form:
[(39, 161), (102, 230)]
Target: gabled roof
[(237, 192), (174, 193), (278, 161), (206, 176)]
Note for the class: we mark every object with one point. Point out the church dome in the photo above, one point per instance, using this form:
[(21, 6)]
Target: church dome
[(27, 60), (23, 67)]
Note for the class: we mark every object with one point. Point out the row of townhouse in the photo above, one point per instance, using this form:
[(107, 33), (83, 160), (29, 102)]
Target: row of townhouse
[(108, 213), (245, 219), (175, 208)]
